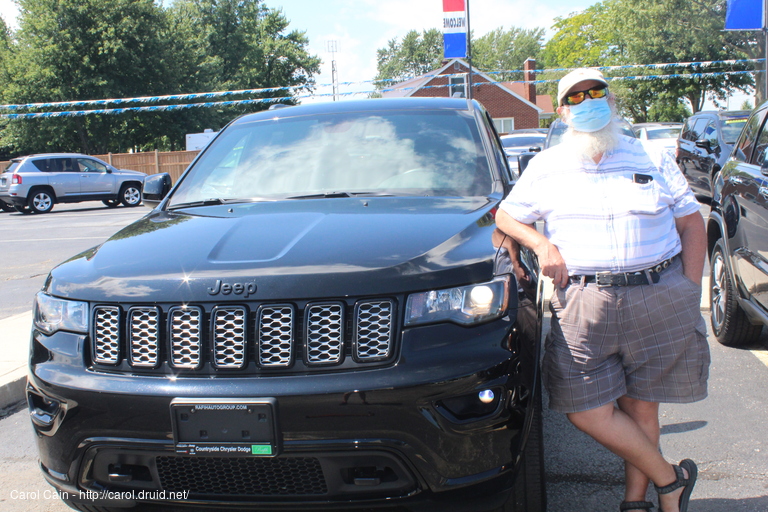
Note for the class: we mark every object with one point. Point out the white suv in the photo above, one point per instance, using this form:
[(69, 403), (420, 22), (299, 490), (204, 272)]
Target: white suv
[(35, 183)]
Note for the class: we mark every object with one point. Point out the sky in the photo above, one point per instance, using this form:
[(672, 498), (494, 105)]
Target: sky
[(360, 27)]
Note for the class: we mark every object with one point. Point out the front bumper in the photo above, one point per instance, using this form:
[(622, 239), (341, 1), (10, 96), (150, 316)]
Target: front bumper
[(412, 432)]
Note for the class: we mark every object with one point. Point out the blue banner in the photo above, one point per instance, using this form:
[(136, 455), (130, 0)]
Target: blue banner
[(745, 15), (455, 45)]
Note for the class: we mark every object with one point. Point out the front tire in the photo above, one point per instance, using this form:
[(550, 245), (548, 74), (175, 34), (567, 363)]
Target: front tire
[(130, 195), (40, 201), (530, 493), (729, 322)]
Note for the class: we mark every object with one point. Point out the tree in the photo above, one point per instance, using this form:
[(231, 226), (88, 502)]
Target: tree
[(78, 50), (622, 32), (659, 31), (501, 50), (415, 55), (90, 49)]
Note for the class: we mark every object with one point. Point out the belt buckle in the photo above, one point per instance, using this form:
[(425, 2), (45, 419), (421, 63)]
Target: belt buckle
[(603, 279)]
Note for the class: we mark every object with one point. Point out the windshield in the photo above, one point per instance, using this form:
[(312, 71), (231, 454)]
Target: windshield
[(341, 154), (663, 133), (732, 128)]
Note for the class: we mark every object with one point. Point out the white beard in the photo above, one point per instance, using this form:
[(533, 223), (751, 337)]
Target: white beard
[(592, 144)]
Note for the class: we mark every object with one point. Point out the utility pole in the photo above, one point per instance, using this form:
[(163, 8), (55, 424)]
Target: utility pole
[(332, 47), (469, 57)]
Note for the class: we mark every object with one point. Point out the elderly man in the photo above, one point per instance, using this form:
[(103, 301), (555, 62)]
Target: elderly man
[(625, 245)]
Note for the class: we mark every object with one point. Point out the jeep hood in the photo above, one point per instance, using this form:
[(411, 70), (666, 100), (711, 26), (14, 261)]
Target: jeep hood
[(289, 250)]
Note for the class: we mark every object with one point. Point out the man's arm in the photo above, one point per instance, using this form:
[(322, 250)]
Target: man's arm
[(551, 262), (693, 237)]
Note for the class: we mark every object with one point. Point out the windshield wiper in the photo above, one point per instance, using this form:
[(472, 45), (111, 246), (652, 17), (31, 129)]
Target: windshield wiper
[(193, 204), (339, 194), (322, 195)]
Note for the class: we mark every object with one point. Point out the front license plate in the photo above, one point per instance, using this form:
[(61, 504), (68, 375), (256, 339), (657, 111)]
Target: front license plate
[(225, 427)]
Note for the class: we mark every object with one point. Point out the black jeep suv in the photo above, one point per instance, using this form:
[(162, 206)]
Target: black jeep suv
[(316, 315), (738, 238)]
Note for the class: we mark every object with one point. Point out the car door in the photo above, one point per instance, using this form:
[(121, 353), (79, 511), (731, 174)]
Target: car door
[(750, 184), (61, 175), (95, 177)]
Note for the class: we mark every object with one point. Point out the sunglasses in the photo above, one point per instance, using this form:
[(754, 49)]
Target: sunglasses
[(575, 98)]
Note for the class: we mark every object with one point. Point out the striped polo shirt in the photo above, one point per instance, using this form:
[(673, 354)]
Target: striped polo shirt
[(598, 215)]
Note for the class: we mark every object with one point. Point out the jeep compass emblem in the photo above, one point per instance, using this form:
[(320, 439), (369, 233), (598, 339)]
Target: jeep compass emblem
[(244, 289)]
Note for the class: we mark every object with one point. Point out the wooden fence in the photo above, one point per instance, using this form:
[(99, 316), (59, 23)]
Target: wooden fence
[(153, 162)]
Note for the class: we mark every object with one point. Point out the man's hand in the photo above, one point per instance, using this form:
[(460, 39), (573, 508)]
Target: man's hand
[(551, 262)]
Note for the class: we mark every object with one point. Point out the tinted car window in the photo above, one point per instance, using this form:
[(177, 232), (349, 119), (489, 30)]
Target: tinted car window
[(698, 128), (688, 130), (432, 153), (761, 148), (710, 134), (14, 165), (54, 164), (747, 139)]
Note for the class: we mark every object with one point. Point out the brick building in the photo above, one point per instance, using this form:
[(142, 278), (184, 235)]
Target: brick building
[(512, 105)]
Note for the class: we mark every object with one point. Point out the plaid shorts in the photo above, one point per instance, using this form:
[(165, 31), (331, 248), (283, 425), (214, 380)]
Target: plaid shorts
[(648, 342)]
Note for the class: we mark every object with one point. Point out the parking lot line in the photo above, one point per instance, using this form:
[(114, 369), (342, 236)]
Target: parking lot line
[(762, 355), (67, 238)]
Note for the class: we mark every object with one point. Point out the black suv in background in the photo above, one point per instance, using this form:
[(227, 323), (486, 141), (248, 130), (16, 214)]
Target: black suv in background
[(738, 238), (318, 314), (704, 145)]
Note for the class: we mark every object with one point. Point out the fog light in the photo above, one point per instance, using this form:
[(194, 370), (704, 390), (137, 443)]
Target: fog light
[(486, 396)]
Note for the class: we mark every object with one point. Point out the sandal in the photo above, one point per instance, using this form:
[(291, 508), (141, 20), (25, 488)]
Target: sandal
[(636, 505), (681, 481)]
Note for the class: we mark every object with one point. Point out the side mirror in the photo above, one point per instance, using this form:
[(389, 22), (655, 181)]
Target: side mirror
[(764, 164), (704, 144), (156, 187), (522, 161)]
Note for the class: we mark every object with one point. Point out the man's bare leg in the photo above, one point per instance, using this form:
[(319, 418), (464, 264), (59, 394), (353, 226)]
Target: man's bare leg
[(617, 431)]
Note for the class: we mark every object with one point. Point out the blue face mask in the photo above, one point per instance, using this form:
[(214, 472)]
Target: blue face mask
[(590, 115)]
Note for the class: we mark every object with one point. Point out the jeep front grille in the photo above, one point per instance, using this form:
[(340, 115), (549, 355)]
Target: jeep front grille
[(229, 337), (263, 337)]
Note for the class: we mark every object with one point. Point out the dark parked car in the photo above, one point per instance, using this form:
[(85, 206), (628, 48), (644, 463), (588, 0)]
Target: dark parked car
[(314, 316), (738, 238), (704, 145)]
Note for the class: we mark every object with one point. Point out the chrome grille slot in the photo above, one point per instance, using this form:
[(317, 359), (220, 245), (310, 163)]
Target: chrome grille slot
[(373, 330), (229, 337), (106, 334), (275, 335), (324, 333), (143, 336), (185, 329)]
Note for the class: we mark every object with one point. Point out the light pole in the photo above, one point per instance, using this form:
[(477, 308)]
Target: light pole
[(332, 47)]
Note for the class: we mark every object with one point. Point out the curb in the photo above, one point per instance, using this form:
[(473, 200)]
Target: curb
[(12, 391)]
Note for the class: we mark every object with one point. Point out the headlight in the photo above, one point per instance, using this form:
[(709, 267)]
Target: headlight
[(465, 305), (52, 314)]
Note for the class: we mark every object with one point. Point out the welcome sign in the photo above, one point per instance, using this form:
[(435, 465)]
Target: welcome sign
[(454, 29)]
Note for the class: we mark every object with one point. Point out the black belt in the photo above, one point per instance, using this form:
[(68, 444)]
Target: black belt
[(627, 278)]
